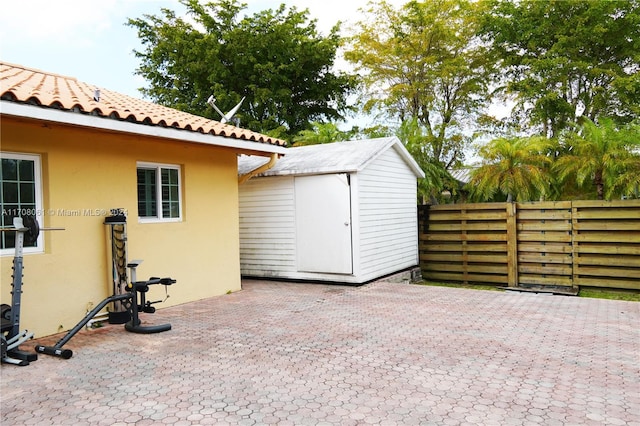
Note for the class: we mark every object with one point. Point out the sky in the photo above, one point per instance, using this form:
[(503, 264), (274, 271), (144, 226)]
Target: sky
[(88, 39)]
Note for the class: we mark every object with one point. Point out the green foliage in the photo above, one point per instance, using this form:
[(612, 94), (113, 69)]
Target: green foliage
[(516, 167), (377, 131), (437, 179), (423, 62), (565, 59), (590, 161), (603, 154), (276, 58), (323, 133)]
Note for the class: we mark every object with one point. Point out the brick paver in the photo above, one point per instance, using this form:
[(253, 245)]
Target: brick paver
[(314, 354)]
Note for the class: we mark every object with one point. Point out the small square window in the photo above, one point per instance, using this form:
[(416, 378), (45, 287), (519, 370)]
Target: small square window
[(159, 192)]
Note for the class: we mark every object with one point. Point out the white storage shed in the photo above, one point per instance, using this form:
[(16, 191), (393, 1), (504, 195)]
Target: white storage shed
[(341, 212)]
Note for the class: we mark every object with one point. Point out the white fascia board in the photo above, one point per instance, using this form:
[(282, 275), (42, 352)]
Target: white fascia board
[(402, 151), (309, 172), (411, 162), (108, 124)]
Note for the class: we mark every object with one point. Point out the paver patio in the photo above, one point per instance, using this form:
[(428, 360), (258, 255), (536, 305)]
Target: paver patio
[(383, 353)]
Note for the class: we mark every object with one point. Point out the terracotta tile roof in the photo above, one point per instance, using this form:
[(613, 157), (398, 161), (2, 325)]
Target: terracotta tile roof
[(27, 85)]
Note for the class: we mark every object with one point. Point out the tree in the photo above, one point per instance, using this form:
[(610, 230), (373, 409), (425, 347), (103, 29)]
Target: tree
[(560, 60), (423, 62), (515, 167), (436, 179), (602, 154), (276, 59)]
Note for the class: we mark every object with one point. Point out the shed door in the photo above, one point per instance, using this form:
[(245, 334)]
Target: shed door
[(323, 223)]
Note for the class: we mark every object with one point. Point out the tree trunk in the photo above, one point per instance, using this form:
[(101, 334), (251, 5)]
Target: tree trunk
[(599, 185)]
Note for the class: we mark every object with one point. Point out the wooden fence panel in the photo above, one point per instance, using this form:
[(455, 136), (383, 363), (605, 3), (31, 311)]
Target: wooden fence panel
[(467, 244), (546, 226), (606, 248), (549, 244)]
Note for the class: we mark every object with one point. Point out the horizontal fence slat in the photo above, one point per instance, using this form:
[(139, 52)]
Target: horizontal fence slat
[(556, 237), (625, 204), (535, 247), (549, 258), (436, 216), (606, 214), (465, 237), (467, 226), (622, 249), (608, 237), (471, 278), (616, 272), (529, 268), (535, 279), (618, 225), (544, 226), (471, 268), (606, 283), (477, 258), (544, 205), (491, 247), (468, 206), (547, 215), (597, 259)]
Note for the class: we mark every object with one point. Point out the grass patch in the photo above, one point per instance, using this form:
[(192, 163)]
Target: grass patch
[(598, 293)]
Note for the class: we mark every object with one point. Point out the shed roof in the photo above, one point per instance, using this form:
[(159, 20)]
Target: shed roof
[(23, 85), (463, 174), (338, 157)]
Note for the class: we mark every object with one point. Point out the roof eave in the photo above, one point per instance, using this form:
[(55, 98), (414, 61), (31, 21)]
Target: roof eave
[(394, 142), (13, 109), (309, 172)]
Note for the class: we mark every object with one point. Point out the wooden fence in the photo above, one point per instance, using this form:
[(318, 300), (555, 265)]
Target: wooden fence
[(544, 244)]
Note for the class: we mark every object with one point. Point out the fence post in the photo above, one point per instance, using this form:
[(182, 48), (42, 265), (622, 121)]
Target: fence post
[(574, 246), (512, 246), (464, 248)]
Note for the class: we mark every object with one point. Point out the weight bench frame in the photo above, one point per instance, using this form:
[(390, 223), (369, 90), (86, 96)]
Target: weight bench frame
[(130, 299)]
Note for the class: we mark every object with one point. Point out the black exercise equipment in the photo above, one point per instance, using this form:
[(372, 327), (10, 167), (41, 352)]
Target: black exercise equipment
[(128, 300), (26, 230), (141, 288)]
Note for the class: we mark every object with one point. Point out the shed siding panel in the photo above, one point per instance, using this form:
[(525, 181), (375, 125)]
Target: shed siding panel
[(388, 212), (267, 226)]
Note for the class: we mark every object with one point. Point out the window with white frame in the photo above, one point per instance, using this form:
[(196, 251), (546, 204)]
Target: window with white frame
[(20, 195), (159, 192)]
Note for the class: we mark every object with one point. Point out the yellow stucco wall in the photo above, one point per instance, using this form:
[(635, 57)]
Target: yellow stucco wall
[(87, 170)]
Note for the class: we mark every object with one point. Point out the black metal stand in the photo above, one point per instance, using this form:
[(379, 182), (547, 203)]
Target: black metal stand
[(117, 235), (10, 320), (141, 288)]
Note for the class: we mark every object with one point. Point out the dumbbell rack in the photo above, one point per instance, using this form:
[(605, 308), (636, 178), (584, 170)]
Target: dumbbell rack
[(117, 237)]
